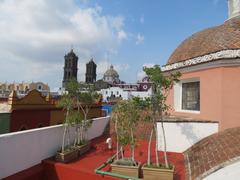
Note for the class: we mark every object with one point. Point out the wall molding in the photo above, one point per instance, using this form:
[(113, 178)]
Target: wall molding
[(225, 54)]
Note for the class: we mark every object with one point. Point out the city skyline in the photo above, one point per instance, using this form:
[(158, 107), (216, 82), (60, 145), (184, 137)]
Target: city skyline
[(127, 35)]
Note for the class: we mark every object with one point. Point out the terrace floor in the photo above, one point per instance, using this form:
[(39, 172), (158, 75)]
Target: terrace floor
[(84, 167)]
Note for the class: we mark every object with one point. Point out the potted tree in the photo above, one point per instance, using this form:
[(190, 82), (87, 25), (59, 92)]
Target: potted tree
[(86, 97), (161, 85), (125, 116), (67, 152)]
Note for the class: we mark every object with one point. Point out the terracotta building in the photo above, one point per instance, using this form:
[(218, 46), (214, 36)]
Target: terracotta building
[(209, 61), (34, 111)]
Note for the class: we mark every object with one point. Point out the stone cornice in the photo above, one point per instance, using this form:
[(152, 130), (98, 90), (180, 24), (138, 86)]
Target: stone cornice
[(225, 54)]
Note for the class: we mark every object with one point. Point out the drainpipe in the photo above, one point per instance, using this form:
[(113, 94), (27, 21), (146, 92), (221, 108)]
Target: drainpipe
[(109, 161)]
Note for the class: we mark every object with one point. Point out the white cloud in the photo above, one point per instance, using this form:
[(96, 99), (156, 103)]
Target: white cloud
[(122, 35), (139, 39), (141, 74), (35, 35)]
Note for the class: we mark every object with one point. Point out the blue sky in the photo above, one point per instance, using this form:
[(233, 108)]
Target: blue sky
[(125, 33), (163, 24)]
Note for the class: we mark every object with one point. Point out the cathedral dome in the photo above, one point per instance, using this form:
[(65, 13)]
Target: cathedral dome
[(111, 76), (219, 38), (111, 72)]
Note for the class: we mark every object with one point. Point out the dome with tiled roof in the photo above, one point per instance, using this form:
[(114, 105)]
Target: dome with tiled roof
[(111, 72), (111, 76), (223, 37)]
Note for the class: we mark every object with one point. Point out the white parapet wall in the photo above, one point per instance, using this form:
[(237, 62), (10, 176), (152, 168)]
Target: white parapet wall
[(182, 135), (22, 150)]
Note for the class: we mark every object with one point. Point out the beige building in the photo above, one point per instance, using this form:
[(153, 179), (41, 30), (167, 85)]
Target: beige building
[(22, 88)]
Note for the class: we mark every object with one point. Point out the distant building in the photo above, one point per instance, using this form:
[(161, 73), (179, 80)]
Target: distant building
[(70, 67), (34, 111), (100, 84), (91, 74), (22, 88), (125, 91), (111, 76)]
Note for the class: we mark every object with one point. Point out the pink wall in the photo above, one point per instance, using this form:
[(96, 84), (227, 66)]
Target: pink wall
[(210, 94), (219, 96), (231, 98)]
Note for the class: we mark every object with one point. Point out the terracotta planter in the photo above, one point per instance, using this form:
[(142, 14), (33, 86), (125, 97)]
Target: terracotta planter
[(67, 156), (157, 173), (132, 171), (83, 148)]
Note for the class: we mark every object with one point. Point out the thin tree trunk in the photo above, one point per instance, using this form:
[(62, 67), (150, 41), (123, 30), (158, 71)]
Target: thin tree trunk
[(76, 136), (68, 136), (165, 146), (149, 148), (156, 146), (164, 140), (84, 122), (117, 140), (84, 125), (122, 152), (78, 125), (65, 131), (132, 146)]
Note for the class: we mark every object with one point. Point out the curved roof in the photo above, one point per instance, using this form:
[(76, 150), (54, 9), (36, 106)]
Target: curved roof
[(223, 37), (111, 72), (213, 152)]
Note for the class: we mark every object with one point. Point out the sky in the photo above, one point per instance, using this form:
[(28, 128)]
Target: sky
[(129, 34)]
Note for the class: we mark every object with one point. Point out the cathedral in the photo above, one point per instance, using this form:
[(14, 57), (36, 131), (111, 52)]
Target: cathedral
[(110, 77)]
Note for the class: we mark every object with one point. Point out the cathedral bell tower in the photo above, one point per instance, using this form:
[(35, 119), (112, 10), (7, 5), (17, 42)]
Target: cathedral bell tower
[(91, 72), (70, 67)]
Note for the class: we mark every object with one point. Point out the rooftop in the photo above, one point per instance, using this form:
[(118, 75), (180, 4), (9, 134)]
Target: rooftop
[(211, 40), (84, 168)]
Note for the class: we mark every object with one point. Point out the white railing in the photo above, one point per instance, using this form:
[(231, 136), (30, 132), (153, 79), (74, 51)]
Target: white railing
[(22, 150)]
